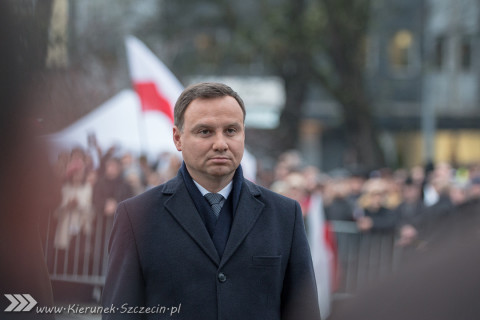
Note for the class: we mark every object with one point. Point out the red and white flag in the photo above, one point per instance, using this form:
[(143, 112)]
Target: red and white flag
[(324, 253), (158, 89), (156, 86)]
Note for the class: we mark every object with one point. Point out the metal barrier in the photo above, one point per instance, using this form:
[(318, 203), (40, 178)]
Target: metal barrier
[(363, 257), (84, 258)]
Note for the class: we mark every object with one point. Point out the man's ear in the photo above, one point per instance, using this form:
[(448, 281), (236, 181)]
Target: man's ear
[(176, 138)]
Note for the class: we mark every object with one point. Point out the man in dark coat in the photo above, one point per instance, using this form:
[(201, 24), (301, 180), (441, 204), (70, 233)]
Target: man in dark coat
[(176, 253)]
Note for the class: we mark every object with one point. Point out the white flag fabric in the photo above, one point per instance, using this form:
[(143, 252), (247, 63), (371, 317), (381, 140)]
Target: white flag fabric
[(321, 254), (116, 123), (156, 86)]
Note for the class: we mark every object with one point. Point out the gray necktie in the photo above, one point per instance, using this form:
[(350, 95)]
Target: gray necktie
[(216, 202)]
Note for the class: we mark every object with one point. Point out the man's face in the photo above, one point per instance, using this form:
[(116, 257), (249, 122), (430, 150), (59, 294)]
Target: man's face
[(212, 139)]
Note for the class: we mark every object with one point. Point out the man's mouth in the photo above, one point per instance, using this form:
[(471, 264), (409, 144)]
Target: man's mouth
[(219, 160)]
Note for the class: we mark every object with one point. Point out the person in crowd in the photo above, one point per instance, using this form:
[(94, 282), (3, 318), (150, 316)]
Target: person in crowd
[(435, 190), (154, 179), (60, 166), (374, 215), (288, 162), (442, 207), (110, 189), (104, 156), (458, 193), (296, 190), (145, 168), (409, 213), (474, 189), (132, 173), (74, 216), (169, 170), (210, 242), (355, 183), (417, 174), (338, 200)]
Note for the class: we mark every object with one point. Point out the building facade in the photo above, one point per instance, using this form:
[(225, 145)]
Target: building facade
[(422, 74)]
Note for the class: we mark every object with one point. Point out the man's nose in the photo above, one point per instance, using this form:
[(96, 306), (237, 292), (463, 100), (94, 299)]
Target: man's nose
[(220, 142)]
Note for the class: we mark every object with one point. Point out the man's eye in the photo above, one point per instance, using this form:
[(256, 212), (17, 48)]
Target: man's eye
[(204, 132), (231, 130)]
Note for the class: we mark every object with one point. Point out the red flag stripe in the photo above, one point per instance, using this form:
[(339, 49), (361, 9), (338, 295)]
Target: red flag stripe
[(152, 100)]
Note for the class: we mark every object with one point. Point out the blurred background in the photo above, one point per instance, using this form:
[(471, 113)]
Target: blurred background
[(363, 83), (365, 111)]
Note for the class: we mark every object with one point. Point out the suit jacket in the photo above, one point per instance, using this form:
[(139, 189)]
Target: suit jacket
[(162, 257)]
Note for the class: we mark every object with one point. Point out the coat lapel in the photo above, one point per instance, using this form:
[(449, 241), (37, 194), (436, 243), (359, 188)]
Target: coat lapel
[(181, 207), (248, 210)]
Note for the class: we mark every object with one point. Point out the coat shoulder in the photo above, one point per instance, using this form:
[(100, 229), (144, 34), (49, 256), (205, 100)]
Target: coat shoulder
[(151, 199), (269, 197)]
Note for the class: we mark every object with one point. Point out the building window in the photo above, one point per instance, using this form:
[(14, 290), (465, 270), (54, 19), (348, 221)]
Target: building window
[(439, 52), (466, 54), (401, 51)]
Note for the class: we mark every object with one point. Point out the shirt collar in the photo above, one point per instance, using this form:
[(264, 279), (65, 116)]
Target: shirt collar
[(225, 192)]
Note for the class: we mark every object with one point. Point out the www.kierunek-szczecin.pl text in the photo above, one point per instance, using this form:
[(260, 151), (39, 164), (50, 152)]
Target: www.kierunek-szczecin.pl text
[(123, 309)]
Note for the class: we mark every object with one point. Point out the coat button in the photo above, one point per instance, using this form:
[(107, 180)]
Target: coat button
[(222, 277)]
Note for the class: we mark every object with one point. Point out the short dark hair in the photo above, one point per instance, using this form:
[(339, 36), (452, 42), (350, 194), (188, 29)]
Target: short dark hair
[(204, 90)]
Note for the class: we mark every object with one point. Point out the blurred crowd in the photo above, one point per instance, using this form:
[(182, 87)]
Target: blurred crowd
[(93, 182), (407, 202)]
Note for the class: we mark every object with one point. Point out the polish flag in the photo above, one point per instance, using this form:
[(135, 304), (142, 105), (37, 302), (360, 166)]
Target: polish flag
[(156, 86), (324, 253)]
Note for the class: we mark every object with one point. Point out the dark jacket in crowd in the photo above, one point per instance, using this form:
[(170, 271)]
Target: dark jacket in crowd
[(441, 283), (384, 219)]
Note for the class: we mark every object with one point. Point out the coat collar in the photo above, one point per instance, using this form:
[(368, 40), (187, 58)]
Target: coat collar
[(181, 207), (247, 213)]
